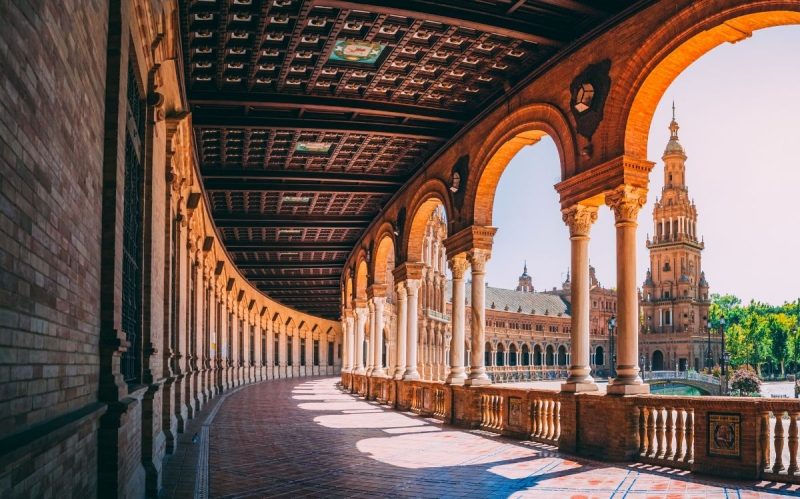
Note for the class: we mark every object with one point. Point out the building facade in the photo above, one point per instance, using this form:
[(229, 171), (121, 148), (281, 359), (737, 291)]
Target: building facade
[(674, 331)]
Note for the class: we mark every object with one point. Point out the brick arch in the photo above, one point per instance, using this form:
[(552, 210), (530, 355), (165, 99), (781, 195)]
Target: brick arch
[(362, 277), (674, 46), (384, 249), (433, 193), (348, 288), (524, 126)]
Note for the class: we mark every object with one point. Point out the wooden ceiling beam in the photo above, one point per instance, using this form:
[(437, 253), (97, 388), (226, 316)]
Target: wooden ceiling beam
[(286, 246), (575, 6), (202, 119), (297, 278), (452, 14), (291, 221), (332, 264), (277, 185), (217, 172), (327, 104), (267, 287)]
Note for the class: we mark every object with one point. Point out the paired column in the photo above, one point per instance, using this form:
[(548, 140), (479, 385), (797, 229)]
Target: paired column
[(477, 373), (457, 374), (412, 323), (579, 219), (377, 336), (350, 341), (402, 320), (361, 324), (370, 336), (626, 201)]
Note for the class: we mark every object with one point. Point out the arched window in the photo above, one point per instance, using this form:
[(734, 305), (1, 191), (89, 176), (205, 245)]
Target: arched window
[(658, 361), (526, 355), (487, 354), (562, 355), (537, 355), (500, 357), (599, 356), (512, 355), (549, 357)]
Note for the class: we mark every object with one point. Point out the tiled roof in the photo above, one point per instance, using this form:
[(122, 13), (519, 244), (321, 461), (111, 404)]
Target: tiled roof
[(529, 303)]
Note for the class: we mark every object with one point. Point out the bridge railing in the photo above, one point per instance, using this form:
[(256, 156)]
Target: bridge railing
[(681, 375)]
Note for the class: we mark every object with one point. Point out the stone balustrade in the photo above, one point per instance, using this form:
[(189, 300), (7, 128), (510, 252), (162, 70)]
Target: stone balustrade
[(723, 436)]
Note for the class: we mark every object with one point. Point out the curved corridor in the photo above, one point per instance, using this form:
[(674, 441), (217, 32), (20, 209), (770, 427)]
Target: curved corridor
[(306, 438)]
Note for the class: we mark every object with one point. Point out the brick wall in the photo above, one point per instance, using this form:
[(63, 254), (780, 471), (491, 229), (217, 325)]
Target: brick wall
[(52, 55)]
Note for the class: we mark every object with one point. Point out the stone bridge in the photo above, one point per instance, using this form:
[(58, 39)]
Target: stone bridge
[(705, 382)]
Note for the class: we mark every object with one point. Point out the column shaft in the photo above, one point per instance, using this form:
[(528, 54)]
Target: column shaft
[(411, 372), (457, 374), (377, 337), (402, 320), (477, 373)]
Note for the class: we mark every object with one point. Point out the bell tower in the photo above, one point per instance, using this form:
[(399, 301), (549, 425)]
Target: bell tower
[(525, 281), (675, 294)]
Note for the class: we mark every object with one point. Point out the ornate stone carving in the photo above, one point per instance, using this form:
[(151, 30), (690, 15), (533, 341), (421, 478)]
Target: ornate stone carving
[(579, 219), (626, 201), (459, 265), (478, 258)]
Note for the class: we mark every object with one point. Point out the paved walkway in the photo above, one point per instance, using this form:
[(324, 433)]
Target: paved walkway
[(305, 438)]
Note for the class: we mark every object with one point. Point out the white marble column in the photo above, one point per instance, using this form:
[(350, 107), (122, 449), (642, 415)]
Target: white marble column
[(350, 351), (402, 320), (361, 324), (411, 372), (370, 337), (457, 375), (377, 337), (579, 219), (477, 373), (626, 201)]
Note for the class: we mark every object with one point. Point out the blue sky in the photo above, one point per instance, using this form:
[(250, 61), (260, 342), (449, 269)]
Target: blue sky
[(739, 112)]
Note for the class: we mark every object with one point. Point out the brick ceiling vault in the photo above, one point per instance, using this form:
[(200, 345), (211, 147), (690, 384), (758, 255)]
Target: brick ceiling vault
[(310, 114)]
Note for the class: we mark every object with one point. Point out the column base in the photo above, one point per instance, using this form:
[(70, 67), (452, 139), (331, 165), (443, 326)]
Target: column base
[(378, 373), (579, 387), (360, 370), (411, 376), (478, 381), (456, 380), (398, 375), (632, 389)]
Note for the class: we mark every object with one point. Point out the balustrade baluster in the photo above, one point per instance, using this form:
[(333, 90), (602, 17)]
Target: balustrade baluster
[(651, 430), (551, 427), (670, 447), (557, 420), (542, 419), (660, 429), (765, 441), (534, 419), (643, 431), (777, 467), (680, 423), (793, 441), (690, 435)]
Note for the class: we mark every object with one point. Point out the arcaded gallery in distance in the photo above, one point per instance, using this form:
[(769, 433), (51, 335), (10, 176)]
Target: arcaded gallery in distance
[(243, 251)]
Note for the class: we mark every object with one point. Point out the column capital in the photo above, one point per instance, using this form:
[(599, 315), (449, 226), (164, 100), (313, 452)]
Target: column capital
[(412, 285), (626, 201), (376, 300), (400, 288), (376, 290), (579, 218), (361, 313), (478, 258), (458, 265)]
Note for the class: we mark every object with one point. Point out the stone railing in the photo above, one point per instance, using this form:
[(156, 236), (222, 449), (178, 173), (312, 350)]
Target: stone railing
[(438, 316), (516, 374), (779, 440), (682, 375), (666, 432), (738, 437)]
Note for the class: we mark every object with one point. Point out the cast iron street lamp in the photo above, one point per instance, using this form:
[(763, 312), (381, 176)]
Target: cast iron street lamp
[(612, 324), (724, 355), (641, 365), (709, 359)]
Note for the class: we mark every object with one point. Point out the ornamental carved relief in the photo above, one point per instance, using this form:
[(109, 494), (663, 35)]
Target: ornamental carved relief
[(478, 258), (626, 201), (579, 219), (459, 265)]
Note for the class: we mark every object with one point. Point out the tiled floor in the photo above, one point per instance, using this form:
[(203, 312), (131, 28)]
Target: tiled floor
[(301, 438)]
